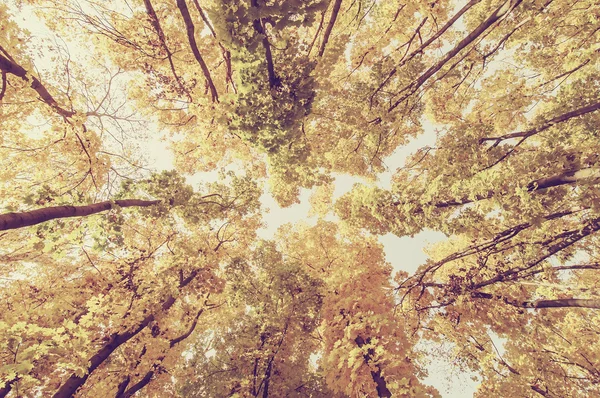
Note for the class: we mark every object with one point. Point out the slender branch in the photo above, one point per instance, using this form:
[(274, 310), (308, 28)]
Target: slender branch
[(161, 37)]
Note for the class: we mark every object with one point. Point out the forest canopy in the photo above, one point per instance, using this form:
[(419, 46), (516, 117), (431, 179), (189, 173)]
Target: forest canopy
[(120, 277)]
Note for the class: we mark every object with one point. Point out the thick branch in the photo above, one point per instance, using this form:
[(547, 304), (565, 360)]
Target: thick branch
[(33, 217), (567, 239), (569, 177), (187, 334), (556, 303), (334, 13), (73, 383), (226, 53), (425, 44), (8, 66), (4, 391), (144, 381), (189, 27)]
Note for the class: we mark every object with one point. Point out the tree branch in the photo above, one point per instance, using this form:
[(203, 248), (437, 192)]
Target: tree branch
[(334, 13), (8, 66), (33, 217)]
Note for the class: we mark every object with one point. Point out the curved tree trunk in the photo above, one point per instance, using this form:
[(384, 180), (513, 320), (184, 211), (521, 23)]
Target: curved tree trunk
[(33, 217)]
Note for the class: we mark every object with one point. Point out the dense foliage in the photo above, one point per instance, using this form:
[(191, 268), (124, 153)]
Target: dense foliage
[(119, 279)]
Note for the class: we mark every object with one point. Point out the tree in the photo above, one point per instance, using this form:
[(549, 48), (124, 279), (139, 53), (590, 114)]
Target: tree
[(176, 295)]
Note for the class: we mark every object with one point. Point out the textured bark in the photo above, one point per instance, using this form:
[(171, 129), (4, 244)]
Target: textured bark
[(73, 383), (190, 29), (138, 386), (4, 391), (148, 377), (426, 43), (566, 178), (330, 24), (10, 67), (33, 217), (546, 125), (551, 247)]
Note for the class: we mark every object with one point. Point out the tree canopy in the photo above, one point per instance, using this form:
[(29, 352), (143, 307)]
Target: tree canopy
[(121, 277)]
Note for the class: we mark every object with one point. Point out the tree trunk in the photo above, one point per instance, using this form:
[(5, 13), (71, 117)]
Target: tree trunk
[(33, 217), (382, 390)]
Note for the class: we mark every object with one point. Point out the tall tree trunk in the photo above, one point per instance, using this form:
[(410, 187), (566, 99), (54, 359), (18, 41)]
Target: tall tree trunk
[(382, 390), (274, 81), (33, 217)]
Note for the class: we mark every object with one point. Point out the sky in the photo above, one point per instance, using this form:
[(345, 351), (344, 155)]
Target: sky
[(405, 253)]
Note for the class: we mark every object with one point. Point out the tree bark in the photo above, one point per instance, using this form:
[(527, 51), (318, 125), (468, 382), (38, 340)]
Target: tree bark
[(258, 27), (163, 42), (4, 391), (546, 125), (33, 217), (568, 177), (556, 303), (382, 390), (425, 44), (148, 377)]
